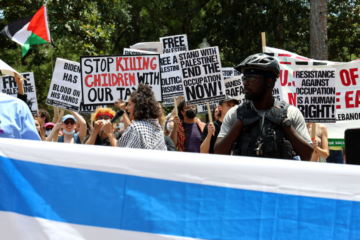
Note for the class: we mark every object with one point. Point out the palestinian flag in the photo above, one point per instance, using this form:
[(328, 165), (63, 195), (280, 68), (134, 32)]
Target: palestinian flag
[(29, 31)]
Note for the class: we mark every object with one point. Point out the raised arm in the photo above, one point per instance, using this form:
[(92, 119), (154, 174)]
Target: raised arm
[(122, 105), (56, 115), (83, 127), (54, 131), (324, 149), (173, 134), (205, 146)]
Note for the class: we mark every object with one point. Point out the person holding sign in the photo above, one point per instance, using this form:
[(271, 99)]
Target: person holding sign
[(68, 125), (320, 143), (145, 132), (263, 126), (212, 130), (187, 130)]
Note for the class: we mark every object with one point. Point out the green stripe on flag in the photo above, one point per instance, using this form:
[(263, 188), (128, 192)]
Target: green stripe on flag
[(336, 142), (32, 40)]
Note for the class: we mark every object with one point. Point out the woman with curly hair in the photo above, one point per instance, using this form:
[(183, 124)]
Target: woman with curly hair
[(144, 132)]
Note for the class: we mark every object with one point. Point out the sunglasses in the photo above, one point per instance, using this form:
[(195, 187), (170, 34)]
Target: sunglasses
[(250, 78), (104, 118), (69, 122)]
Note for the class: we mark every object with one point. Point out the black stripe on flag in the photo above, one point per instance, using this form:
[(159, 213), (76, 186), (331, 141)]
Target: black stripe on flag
[(11, 29), (302, 63), (270, 54), (319, 63)]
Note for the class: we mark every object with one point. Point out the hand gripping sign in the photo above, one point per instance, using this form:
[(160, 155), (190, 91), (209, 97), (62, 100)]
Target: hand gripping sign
[(106, 78)]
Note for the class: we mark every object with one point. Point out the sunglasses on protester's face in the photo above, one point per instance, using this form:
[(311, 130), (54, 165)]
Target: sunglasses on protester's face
[(251, 78), (104, 118), (69, 122)]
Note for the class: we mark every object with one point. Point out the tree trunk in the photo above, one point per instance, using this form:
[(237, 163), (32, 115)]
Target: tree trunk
[(318, 29)]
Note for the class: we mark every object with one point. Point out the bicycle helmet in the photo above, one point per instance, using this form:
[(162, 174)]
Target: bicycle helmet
[(260, 61)]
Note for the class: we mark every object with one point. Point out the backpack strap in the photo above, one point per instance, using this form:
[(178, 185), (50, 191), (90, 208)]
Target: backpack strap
[(76, 138)]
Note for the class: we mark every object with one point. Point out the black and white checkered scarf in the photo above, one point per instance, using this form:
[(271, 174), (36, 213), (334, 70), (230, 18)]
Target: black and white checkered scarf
[(144, 134)]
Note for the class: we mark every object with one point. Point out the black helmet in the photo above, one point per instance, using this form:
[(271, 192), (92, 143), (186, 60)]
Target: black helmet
[(260, 61)]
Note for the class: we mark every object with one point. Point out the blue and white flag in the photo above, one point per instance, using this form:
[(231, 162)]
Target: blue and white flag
[(66, 191)]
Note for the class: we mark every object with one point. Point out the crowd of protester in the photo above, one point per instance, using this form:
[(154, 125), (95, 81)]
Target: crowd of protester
[(143, 124)]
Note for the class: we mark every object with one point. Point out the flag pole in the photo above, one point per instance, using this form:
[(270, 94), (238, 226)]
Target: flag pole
[(51, 47)]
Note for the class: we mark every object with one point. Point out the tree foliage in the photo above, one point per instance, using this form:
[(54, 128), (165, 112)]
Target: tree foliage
[(101, 27)]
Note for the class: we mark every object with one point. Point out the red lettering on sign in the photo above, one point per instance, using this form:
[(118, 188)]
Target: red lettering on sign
[(132, 79), (346, 81), (353, 75), (97, 80), (86, 81), (357, 99), (348, 99), (284, 78), (292, 98), (118, 64), (152, 65)]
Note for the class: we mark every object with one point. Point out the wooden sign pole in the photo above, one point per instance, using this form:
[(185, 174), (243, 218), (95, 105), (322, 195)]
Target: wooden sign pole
[(263, 41), (62, 111), (175, 106), (209, 113)]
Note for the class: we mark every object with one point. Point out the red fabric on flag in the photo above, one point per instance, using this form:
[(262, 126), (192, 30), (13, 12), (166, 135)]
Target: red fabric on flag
[(38, 24)]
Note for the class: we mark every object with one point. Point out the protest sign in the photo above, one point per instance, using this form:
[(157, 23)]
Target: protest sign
[(129, 51), (105, 79), (230, 73), (202, 108), (346, 78), (176, 43), (170, 76), (315, 94), (168, 102), (88, 109), (201, 75), (7, 70), (65, 87), (8, 86), (154, 47)]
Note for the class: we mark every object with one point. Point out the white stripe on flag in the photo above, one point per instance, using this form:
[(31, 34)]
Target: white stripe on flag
[(22, 35), (16, 226), (277, 176)]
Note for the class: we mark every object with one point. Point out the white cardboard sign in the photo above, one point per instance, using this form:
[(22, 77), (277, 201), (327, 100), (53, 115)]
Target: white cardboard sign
[(105, 79), (178, 43), (9, 86), (201, 75), (65, 87)]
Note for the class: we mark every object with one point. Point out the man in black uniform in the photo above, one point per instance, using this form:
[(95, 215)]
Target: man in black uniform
[(263, 126)]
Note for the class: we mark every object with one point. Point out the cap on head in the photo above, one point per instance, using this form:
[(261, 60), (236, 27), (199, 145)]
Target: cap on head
[(68, 116), (260, 61), (229, 99), (49, 124)]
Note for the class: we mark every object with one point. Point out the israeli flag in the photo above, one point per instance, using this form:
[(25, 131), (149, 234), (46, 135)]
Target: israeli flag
[(74, 192)]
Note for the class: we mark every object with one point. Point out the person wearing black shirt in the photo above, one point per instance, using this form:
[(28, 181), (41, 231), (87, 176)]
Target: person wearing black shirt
[(208, 138)]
